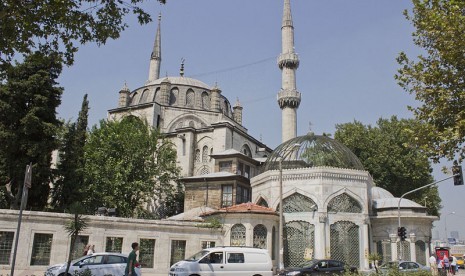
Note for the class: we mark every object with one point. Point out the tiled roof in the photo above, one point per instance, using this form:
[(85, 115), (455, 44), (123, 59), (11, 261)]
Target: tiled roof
[(248, 207)]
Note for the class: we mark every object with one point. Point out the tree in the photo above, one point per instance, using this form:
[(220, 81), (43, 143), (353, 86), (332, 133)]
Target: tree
[(29, 97), (70, 169), (387, 151), (436, 77), (60, 25), (127, 165), (75, 226)]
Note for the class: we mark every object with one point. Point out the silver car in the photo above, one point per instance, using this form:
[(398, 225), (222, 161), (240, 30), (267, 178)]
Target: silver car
[(98, 264), (403, 266)]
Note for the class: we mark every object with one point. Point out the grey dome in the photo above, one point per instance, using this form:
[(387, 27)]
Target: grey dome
[(312, 151)]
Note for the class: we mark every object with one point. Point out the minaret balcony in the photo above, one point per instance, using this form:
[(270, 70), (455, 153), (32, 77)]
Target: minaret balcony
[(289, 98), (288, 60)]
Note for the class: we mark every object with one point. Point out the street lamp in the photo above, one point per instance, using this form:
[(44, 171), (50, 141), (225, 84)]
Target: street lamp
[(281, 218), (445, 224)]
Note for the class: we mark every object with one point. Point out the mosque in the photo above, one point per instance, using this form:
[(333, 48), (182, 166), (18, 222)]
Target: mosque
[(235, 184)]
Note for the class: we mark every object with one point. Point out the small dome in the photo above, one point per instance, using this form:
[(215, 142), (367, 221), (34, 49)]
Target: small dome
[(180, 81), (393, 203), (380, 193), (312, 151)]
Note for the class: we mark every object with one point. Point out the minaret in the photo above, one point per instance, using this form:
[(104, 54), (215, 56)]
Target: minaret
[(155, 58), (288, 62)]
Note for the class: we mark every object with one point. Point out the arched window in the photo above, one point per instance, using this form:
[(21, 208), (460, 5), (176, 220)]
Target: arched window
[(190, 98), (173, 96), (345, 243), (197, 155), (420, 252), (143, 98), (297, 203), (299, 242), (259, 236), (204, 170), (344, 203), (262, 202), (205, 100), (238, 235), (246, 150), (205, 154), (405, 256), (384, 250)]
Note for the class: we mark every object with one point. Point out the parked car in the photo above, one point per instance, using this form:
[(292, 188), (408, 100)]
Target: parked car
[(460, 262), (403, 266), (317, 267), (225, 261), (99, 264)]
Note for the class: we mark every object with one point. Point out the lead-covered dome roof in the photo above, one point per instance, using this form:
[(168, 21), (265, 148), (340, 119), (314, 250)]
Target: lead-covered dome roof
[(312, 151)]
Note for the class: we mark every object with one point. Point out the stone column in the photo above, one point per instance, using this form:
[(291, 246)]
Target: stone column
[(393, 238), (365, 241), (319, 252)]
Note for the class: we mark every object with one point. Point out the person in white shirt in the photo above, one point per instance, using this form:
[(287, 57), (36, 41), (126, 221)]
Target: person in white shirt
[(453, 265), (91, 250), (433, 265)]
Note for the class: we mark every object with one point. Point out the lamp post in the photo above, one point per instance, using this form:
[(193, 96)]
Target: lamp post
[(445, 224)]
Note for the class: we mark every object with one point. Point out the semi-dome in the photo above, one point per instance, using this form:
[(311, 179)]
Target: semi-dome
[(312, 151)]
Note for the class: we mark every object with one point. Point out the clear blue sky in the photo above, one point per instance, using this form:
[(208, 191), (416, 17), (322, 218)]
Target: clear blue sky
[(347, 53)]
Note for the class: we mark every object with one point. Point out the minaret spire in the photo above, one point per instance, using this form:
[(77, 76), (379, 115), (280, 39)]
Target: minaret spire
[(155, 58), (288, 62)]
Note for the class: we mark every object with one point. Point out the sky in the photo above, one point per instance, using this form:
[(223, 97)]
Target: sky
[(347, 52)]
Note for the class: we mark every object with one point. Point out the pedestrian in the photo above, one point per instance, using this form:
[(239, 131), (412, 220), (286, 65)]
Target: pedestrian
[(446, 262), (131, 264), (91, 250), (453, 265), (433, 265), (86, 249), (440, 266)]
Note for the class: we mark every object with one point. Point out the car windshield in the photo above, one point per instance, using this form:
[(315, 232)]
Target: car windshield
[(308, 263), (459, 258), (197, 256)]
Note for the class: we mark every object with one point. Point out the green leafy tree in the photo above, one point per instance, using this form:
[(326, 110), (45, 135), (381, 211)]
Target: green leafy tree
[(29, 97), (388, 152), (61, 25), (70, 169), (74, 226), (436, 77), (127, 165)]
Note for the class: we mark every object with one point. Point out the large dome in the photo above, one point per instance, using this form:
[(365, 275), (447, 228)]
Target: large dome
[(312, 151)]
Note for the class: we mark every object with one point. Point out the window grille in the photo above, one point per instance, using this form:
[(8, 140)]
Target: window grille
[(208, 244), (190, 97), (420, 252), (6, 244), (205, 154), (406, 250), (114, 244), (226, 195), (384, 250), (238, 235), (79, 246), (297, 203), (344, 243), (178, 251), (205, 101), (204, 170), (344, 203), (173, 96), (197, 155), (299, 239), (147, 252), (259, 236), (41, 248)]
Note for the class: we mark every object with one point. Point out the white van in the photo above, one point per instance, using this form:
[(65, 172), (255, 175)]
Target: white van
[(225, 261)]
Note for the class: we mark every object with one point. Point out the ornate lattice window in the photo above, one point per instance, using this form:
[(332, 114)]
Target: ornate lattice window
[(420, 252), (297, 203), (205, 154), (6, 244), (259, 236), (384, 250), (299, 242), (41, 249), (143, 98), (173, 96), (238, 235), (147, 252), (197, 155), (190, 98), (114, 244), (345, 243), (344, 203), (204, 170), (403, 254), (205, 100), (262, 202)]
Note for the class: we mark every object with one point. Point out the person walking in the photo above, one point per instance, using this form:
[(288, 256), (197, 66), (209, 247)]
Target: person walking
[(453, 265), (131, 264), (433, 265), (440, 266), (446, 265)]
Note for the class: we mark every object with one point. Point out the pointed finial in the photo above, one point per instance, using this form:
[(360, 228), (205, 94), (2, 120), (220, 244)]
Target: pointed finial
[(181, 72), (125, 87), (237, 104)]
